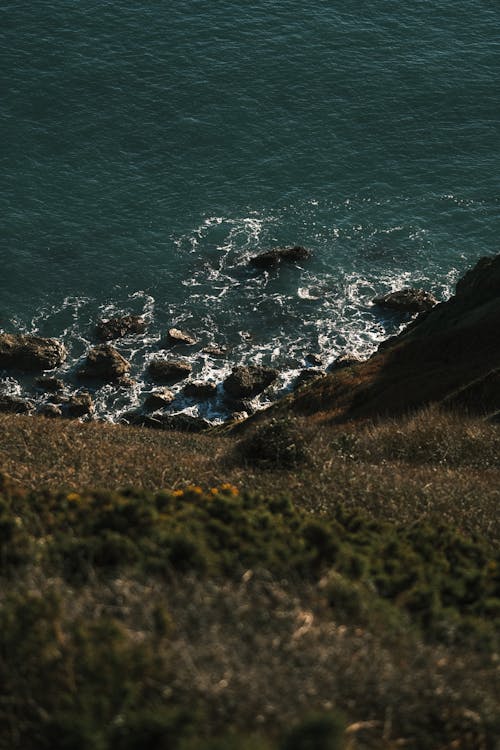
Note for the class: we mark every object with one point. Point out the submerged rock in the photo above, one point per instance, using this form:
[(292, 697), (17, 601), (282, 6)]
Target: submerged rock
[(115, 328), (158, 399), (273, 258), (168, 371), (30, 353), (245, 382), (104, 363), (314, 359), (407, 300), (200, 390), (176, 336)]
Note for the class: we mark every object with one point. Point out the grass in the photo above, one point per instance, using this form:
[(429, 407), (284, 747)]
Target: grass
[(349, 599)]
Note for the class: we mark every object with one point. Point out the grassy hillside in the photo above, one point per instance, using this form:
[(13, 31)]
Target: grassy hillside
[(294, 585)]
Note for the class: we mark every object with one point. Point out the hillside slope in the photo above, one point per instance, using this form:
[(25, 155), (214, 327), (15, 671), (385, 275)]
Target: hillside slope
[(450, 356)]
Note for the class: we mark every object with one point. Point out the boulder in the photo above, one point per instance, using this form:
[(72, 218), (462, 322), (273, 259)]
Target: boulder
[(215, 351), (104, 363), (246, 382), (273, 258), (79, 405), (51, 385), (307, 376), (343, 361), (30, 353), (158, 399), (52, 411), (200, 390), (407, 300), (168, 371), (115, 328), (15, 405), (175, 336)]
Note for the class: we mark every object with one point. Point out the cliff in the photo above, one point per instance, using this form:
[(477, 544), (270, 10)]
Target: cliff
[(449, 356)]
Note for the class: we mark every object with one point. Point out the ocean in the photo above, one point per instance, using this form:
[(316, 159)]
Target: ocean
[(148, 150)]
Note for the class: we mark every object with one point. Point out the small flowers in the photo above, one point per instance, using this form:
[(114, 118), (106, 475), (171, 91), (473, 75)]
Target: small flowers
[(73, 497)]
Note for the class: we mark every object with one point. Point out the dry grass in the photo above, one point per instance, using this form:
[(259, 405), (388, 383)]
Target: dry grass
[(430, 465), (258, 654)]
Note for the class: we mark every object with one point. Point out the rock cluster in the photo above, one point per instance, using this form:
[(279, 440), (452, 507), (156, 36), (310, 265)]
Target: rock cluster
[(30, 353), (115, 328)]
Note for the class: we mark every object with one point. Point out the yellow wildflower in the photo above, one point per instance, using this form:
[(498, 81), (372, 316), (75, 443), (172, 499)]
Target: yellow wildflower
[(73, 497)]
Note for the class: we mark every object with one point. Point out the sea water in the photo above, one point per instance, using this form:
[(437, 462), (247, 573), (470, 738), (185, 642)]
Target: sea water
[(149, 149)]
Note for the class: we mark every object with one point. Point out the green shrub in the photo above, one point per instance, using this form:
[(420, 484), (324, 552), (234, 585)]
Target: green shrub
[(279, 443), (322, 732)]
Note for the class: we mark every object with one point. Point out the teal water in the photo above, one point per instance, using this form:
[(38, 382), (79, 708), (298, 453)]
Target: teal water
[(148, 149)]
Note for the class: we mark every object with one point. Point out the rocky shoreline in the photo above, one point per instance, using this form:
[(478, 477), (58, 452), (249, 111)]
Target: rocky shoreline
[(70, 392)]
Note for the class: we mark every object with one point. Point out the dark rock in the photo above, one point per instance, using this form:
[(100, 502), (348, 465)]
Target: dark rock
[(15, 405), (200, 390), (158, 399), (273, 258), (168, 371), (51, 385), (215, 351), (307, 376), (246, 382), (104, 363), (407, 300), (182, 422), (79, 405), (30, 353), (115, 328), (343, 361), (175, 336), (52, 411), (125, 381), (314, 359)]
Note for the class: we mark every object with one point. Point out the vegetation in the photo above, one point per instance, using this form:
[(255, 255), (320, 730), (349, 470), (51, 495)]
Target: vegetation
[(344, 593)]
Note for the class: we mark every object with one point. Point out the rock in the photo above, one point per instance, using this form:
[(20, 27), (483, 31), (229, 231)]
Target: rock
[(273, 258), (115, 328), (30, 353), (307, 376), (238, 416), (15, 405), (215, 351), (104, 363), (343, 361), (52, 411), (183, 422), (51, 385), (407, 300), (79, 405), (245, 382), (125, 381), (158, 399), (175, 336), (200, 390), (314, 359), (168, 371)]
